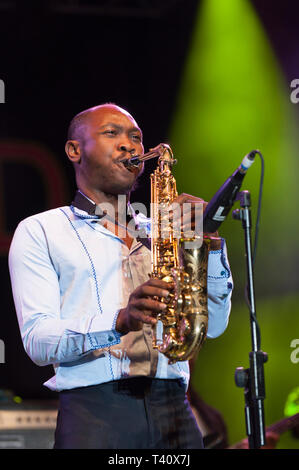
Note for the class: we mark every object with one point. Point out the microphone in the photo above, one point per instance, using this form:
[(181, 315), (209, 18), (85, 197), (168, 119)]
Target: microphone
[(222, 202)]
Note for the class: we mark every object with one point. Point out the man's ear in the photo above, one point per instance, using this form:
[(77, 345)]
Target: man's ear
[(73, 151)]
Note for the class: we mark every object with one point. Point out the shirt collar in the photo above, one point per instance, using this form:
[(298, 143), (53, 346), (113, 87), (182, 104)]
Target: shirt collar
[(83, 206), (86, 208)]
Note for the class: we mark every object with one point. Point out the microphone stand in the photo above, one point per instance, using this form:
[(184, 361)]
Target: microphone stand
[(251, 379)]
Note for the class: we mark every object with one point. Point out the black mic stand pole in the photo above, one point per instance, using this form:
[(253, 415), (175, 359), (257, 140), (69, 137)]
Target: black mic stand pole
[(252, 379)]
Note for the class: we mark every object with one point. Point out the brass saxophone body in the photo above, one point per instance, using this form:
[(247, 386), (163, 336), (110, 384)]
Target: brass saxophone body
[(181, 329)]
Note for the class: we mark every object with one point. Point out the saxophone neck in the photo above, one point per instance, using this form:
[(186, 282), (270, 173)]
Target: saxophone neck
[(161, 151), (166, 160)]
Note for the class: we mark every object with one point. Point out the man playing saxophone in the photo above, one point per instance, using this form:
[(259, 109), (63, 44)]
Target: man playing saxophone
[(86, 304)]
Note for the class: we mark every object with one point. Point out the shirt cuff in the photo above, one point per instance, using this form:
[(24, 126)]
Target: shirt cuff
[(103, 339), (218, 265)]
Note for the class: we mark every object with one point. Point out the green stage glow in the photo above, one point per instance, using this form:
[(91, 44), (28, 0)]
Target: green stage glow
[(233, 98), (292, 404)]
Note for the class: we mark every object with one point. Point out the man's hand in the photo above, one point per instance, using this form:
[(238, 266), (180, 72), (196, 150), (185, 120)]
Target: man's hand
[(143, 305), (196, 207)]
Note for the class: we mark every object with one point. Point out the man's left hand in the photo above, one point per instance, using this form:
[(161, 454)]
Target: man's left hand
[(196, 207)]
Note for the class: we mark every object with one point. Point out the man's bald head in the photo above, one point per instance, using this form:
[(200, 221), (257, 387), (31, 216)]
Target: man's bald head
[(97, 138), (79, 122)]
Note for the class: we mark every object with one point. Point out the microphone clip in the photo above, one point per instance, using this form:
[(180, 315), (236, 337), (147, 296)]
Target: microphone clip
[(243, 214)]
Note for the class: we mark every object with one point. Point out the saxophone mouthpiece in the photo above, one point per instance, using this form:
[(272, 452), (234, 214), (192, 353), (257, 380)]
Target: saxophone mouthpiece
[(134, 161)]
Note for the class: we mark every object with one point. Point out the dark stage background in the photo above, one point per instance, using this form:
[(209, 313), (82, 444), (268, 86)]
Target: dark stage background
[(58, 58)]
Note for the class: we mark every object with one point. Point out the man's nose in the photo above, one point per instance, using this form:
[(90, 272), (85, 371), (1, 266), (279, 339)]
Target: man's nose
[(127, 147)]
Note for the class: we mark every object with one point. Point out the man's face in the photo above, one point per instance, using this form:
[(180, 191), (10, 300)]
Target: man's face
[(110, 135)]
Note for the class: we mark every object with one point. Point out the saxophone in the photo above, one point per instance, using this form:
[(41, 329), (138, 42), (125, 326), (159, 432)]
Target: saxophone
[(181, 328)]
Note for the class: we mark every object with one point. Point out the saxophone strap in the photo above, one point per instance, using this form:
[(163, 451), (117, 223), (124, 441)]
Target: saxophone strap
[(85, 204)]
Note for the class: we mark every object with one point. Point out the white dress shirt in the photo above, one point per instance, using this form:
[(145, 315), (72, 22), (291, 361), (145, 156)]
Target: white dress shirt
[(70, 277)]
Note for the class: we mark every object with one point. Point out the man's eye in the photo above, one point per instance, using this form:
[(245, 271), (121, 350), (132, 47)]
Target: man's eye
[(110, 132), (136, 137)]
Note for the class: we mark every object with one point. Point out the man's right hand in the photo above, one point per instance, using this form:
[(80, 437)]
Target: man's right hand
[(143, 306)]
